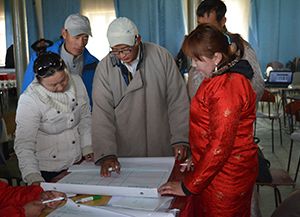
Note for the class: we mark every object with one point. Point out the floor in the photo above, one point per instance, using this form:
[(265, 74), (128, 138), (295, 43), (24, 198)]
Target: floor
[(278, 159)]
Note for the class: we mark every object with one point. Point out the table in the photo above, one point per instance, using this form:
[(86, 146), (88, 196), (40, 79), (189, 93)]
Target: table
[(177, 203)]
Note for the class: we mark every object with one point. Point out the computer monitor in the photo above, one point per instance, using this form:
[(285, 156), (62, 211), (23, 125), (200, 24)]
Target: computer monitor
[(280, 78)]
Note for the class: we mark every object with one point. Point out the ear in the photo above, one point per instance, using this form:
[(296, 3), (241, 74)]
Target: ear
[(138, 39), (64, 33), (223, 21), (217, 58)]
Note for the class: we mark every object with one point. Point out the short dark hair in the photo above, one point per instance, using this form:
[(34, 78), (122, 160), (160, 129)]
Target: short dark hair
[(207, 6)]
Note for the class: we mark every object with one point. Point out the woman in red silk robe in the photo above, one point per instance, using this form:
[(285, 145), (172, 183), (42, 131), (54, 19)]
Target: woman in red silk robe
[(21, 201), (224, 156)]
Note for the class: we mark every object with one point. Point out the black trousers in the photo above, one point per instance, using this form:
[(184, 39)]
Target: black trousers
[(48, 176)]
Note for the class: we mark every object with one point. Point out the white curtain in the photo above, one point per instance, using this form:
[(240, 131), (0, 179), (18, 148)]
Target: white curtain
[(100, 14), (238, 16)]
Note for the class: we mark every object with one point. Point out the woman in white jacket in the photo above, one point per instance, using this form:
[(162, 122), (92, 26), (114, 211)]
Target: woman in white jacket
[(53, 121)]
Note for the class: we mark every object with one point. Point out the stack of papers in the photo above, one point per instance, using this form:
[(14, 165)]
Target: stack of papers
[(71, 209), (139, 177)]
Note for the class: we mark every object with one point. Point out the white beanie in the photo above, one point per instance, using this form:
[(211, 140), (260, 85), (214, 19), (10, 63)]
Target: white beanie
[(122, 31)]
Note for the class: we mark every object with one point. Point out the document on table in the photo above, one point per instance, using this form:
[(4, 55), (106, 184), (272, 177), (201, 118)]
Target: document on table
[(139, 177), (149, 204), (71, 209)]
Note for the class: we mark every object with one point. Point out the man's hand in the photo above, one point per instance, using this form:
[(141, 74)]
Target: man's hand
[(89, 157), (110, 165)]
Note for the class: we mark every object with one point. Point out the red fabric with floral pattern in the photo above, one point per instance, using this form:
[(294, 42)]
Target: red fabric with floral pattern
[(223, 151)]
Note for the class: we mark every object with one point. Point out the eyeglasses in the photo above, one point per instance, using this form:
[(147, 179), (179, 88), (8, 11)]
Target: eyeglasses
[(47, 64), (125, 51)]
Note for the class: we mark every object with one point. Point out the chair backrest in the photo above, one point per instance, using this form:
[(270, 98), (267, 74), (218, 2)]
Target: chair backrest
[(268, 97), (292, 110)]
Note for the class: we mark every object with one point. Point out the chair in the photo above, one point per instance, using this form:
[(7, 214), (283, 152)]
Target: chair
[(273, 114), (295, 136), (296, 81), (289, 207), (281, 177)]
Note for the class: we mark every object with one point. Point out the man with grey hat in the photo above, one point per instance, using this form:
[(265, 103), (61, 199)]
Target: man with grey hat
[(141, 106), (71, 48)]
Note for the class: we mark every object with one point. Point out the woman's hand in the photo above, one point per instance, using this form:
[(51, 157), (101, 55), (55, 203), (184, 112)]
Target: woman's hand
[(187, 165), (110, 165), (173, 188), (47, 195), (180, 151), (33, 208)]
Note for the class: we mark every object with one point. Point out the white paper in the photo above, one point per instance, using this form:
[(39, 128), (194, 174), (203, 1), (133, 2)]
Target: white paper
[(71, 209), (139, 163), (149, 204), (139, 213), (140, 177)]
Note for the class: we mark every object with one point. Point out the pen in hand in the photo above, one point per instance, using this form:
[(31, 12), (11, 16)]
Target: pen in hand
[(53, 200)]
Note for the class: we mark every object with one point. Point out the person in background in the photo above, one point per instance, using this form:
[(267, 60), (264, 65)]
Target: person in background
[(71, 48), (140, 101), (213, 12), (224, 155), (21, 201), (53, 121), (9, 57)]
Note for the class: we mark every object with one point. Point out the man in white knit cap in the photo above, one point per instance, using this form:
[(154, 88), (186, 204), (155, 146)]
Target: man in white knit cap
[(141, 106)]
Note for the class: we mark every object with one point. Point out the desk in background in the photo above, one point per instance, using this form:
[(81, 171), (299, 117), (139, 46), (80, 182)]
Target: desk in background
[(284, 95)]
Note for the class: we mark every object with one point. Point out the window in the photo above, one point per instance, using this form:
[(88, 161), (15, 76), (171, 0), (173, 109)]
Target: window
[(2, 34), (100, 14), (238, 16)]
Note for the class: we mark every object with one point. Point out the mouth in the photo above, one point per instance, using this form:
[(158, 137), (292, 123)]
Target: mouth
[(79, 50)]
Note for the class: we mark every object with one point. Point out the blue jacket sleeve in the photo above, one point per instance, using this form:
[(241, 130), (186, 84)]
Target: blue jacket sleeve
[(29, 74)]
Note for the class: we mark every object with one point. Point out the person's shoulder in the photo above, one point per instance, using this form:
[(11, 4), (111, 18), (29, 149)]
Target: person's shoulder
[(151, 45), (76, 78), (156, 50), (55, 47), (28, 96)]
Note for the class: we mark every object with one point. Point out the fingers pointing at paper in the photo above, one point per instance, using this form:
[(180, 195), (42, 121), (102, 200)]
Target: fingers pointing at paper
[(110, 165)]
